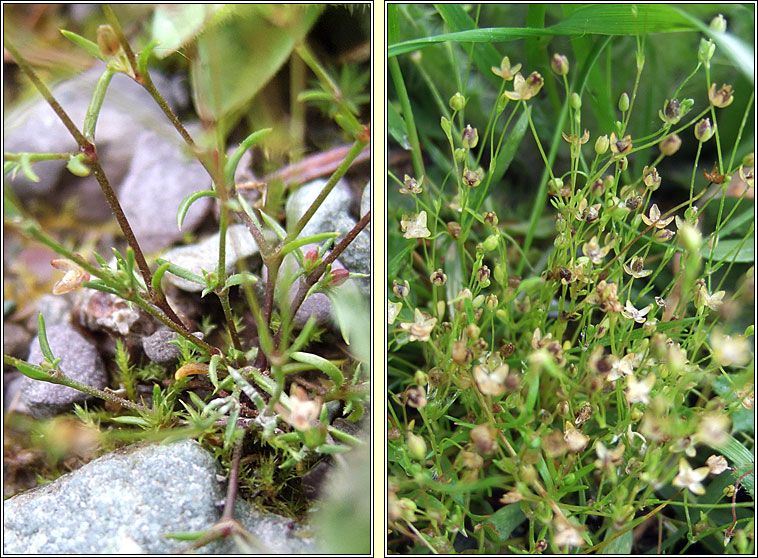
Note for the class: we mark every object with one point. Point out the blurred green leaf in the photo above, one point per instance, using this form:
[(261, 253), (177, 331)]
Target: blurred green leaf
[(605, 19), (237, 57), (174, 25), (730, 250), (622, 544), (86, 44), (506, 519), (322, 364)]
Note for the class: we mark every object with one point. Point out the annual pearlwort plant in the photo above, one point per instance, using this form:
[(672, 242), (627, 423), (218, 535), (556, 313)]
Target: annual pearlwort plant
[(570, 265), (244, 396)]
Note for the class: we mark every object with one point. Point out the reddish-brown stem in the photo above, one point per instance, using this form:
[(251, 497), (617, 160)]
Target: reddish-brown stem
[(730, 530), (314, 275), (45, 92), (90, 151), (231, 489)]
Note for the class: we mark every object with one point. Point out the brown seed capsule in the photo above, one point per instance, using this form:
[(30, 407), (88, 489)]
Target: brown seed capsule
[(454, 229), (107, 41)]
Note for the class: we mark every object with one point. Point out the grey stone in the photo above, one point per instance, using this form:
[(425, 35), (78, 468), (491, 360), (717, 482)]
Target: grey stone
[(125, 501), (159, 347), (161, 176), (204, 255), (126, 111), (338, 200), (56, 309), (79, 360), (15, 339)]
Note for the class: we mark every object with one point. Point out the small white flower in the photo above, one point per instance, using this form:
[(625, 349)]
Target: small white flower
[(621, 367), (690, 478), (575, 440), (491, 383), (655, 218), (566, 534), (420, 327), (303, 411), (728, 350), (638, 391), (415, 226), (73, 277), (393, 309), (629, 311)]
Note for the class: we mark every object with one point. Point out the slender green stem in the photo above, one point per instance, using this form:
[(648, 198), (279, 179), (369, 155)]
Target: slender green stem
[(59, 377), (229, 317), (330, 184), (35, 157), (410, 123), (96, 103)]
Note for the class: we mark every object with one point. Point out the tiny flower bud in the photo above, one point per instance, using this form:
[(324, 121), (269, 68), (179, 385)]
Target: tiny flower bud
[(624, 102), (651, 178), (483, 437), (311, 257), (490, 302), (490, 217), (601, 144), (459, 154), (690, 237), (499, 272), (559, 64), (705, 52), (704, 130), (460, 353), (470, 137), (401, 290), (107, 41), (483, 275), (416, 447), (417, 395), (411, 185), (721, 98), (454, 229), (576, 101), (670, 144), (438, 278), (445, 125), (490, 243), (339, 276), (473, 178), (671, 112), (748, 160), (718, 23), (457, 102), (555, 184)]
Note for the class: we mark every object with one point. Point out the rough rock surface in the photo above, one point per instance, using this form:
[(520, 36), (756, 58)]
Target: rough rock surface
[(125, 501), (160, 176), (159, 347), (79, 360), (127, 110)]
